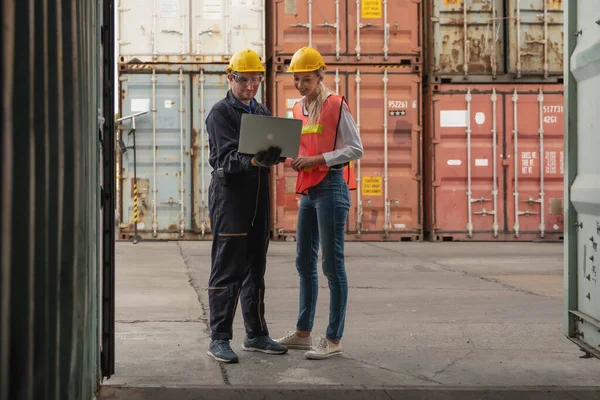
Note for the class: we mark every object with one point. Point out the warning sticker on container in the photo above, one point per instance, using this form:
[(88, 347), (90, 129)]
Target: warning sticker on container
[(291, 102), (481, 162), (454, 162), (138, 105), (372, 186), (399, 226), (168, 8), (169, 104), (452, 2), (528, 162), (212, 9), (289, 114), (562, 163), (371, 9), (453, 118)]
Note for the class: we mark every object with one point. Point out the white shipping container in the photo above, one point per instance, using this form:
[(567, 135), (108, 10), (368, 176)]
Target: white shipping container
[(189, 31)]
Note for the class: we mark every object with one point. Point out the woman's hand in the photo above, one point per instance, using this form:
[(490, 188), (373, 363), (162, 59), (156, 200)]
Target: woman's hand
[(302, 162)]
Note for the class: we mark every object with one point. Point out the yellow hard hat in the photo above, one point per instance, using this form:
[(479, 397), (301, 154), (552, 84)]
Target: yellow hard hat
[(306, 59), (245, 61)]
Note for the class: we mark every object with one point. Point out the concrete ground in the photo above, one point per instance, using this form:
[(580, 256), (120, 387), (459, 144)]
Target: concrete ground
[(424, 320)]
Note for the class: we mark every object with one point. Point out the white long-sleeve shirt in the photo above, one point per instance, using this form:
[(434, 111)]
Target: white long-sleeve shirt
[(348, 146)]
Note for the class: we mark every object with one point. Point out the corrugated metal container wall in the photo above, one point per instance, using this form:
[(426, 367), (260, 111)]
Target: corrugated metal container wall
[(189, 31), (582, 188), (49, 283), (386, 104), (173, 173), (494, 162), (479, 39), (348, 32)]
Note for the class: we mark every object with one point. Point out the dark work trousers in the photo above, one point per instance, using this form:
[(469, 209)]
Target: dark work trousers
[(239, 214)]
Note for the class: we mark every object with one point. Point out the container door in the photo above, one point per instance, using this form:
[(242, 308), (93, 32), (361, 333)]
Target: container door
[(208, 87), (582, 257), (536, 37), (467, 165), (163, 154), (149, 31), (108, 200), (285, 198), (223, 27), (534, 142), (318, 24), (467, 37), (386, 103), (384, 30)]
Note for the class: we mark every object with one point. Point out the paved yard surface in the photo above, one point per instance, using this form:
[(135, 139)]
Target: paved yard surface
[(422, 318)]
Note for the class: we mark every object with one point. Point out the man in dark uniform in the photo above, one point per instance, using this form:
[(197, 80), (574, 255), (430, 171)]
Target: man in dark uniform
[(239, 215)]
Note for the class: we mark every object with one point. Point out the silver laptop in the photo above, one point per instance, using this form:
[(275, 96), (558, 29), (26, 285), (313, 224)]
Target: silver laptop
[(259, 132)]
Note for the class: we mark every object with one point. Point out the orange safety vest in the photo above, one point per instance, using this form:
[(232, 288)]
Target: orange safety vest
[(318, 139)]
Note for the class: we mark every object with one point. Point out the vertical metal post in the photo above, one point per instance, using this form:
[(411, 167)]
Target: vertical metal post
[(545, 39), (540, 99), (181, 155), (465, 40), (135, 195), (337, 30), (515, 99), (493, 58), (358, 179), (468, 99), (518, 49), (357, 48), (154, 151), (386, 30), (495, 160), (310, 35), (387, 224)]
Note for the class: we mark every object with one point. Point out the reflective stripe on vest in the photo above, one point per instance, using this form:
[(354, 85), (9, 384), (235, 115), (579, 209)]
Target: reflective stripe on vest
[(318, 139)]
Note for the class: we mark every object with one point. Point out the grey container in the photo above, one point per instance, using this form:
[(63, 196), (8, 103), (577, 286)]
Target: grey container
[(173, 173), (487, 40), (582, 172)]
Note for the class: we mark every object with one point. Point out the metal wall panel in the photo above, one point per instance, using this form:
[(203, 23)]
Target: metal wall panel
[(171, 203), (582, 184), (493, 161), (349, 32), (49, 333), (386, 104), (189, 31), (501, 40)]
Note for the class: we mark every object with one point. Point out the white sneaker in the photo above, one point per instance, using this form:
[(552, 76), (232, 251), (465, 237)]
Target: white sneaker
[(324, 349), (293, 341)]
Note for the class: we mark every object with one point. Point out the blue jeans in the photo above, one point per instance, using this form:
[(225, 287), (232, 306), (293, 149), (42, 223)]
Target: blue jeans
[(323, 212)]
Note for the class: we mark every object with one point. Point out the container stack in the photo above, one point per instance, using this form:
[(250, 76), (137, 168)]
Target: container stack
[(172, 60), (494, 120), (373, 52)]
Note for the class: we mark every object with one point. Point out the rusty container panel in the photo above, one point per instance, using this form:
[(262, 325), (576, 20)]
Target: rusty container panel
[(185, 31), (536, 37), (470, 162), (386, 103), (347, 32), (535, 117), (465, 37), (172, 201)]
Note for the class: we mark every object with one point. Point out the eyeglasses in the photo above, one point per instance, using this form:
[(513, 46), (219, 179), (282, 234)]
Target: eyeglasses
[(244, 80)]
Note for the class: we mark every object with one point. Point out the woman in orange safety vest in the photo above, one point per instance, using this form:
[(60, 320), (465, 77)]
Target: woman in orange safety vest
[(328, 144)]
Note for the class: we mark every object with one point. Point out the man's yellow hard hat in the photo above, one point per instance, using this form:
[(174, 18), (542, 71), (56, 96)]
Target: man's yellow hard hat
[(245, 61), (307, 59)]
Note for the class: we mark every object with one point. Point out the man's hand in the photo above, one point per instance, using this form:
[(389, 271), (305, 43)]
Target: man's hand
[(268, 158), (302, 162)]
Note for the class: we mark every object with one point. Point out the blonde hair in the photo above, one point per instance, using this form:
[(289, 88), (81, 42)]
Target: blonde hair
[(316, 105)]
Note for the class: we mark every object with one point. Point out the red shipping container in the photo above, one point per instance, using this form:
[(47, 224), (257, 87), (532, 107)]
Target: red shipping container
[(494, 162), (365, 31), (386, 104)]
